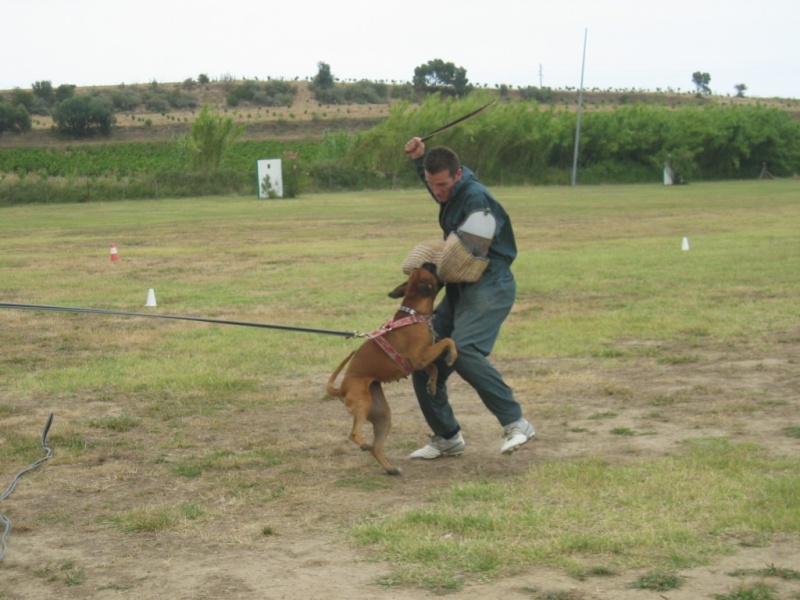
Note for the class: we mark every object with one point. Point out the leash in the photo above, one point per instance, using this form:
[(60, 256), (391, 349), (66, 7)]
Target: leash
[(47, 456), (101, 311)]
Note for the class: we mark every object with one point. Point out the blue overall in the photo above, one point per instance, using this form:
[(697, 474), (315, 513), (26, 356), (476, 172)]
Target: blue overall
[(472, 313)]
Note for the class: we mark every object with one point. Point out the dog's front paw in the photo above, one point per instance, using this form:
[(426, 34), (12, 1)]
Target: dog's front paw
[(366, 447), (431, 387), (452, 357)]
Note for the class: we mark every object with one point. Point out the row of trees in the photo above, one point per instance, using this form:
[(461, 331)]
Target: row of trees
[(94, 112), (515, 142), (435, 76), (519, 142)]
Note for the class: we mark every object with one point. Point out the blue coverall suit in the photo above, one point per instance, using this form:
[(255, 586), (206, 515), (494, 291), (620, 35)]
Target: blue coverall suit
[(472, 313)]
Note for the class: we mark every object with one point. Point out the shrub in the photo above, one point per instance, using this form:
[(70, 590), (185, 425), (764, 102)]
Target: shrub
[(15, 119), (295, 178), (84, 115)]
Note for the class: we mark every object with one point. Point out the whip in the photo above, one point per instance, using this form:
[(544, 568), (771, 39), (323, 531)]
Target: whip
[(425, 138)]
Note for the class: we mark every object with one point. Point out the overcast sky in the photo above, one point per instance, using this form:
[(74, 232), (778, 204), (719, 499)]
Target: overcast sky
[(639, 44)]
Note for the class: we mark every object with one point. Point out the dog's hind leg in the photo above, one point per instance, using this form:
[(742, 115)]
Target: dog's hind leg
[(380, 415)]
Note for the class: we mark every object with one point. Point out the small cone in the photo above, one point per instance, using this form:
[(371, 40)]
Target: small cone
[(151, 298), (685, 244), (114, 256)]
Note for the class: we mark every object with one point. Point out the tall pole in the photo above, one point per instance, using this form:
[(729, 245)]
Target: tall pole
[(580, 111)]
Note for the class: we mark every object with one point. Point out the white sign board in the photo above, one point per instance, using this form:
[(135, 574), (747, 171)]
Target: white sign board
[(270, 178)]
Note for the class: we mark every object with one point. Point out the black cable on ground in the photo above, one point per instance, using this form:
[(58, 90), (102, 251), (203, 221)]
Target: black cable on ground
[(47, 456)]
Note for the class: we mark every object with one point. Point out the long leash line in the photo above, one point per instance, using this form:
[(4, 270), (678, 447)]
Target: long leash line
[(102, 311), (48, 452), (47, 456)]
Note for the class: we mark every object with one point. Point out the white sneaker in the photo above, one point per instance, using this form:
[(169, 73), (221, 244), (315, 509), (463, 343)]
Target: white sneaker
[(439, 446), (516, 434)]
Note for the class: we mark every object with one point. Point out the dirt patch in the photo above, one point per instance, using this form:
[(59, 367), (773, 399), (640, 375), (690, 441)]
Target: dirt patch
[(296, 543)]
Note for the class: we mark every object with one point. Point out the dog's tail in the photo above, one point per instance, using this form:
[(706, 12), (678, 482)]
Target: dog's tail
[(330, 388)]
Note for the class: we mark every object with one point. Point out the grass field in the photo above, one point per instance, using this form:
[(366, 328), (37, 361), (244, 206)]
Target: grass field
[(198, 460)]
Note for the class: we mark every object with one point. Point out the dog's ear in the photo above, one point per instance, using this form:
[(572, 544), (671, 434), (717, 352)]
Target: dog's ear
[(399, 291)]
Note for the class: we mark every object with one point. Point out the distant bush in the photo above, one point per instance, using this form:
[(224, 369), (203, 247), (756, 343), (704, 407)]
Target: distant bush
[(84, 115), (14, 119), (22, 97), (361, 92), (267, 93), (74, 189), (542, 95), (162, 99), (366, 92), (125, 99)]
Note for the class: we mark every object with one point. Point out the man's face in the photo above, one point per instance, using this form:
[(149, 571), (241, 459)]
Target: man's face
[(441, 183)]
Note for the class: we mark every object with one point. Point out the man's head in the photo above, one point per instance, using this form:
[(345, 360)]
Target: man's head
[(442, 171)]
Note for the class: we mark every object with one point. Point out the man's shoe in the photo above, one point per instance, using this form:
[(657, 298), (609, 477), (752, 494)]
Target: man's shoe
[(516, 434), (439, 446)]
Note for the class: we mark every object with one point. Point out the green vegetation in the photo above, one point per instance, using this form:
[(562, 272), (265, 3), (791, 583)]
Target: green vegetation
[(518, 142), (14, 119), (266, 93), (515, 142), (757, 591), (83, 116), (659, 581), (566, 513), (211, 138), (154, 519), (441, 76), (326, 91)]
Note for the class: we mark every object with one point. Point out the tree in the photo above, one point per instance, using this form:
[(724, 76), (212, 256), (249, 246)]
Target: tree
[(84, 115), (324, 77), (23, 97), (64, 91), (444, 76), (44, 90), (15, 119), (323, 85), (701, 81), (740, 90), (210, 139)]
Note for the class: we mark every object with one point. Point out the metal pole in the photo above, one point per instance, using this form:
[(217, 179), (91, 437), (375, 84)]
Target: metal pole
[(580, 111)]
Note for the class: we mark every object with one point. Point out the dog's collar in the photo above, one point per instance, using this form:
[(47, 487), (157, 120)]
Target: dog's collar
[(413, 318), (415, 314)]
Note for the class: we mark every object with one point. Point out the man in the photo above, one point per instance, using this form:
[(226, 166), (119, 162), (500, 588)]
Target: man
[(469, 313)]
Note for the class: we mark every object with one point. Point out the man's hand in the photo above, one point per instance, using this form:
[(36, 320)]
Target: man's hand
[(415, 148)]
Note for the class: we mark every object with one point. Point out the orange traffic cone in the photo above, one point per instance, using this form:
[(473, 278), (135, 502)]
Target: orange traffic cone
[(114, 256)]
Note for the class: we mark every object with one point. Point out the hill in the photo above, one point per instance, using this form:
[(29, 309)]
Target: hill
[(306, 118)]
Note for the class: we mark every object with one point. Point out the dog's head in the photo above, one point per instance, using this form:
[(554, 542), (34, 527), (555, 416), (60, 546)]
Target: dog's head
[(421, 283)]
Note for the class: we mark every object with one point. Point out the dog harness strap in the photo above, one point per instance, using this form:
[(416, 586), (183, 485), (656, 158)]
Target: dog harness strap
[(393, 354), (377, 335)]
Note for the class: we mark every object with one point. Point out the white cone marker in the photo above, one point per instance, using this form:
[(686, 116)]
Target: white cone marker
[(151, 298)]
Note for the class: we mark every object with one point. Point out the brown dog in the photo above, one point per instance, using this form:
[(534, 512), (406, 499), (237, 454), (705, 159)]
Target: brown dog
[(403, 345)]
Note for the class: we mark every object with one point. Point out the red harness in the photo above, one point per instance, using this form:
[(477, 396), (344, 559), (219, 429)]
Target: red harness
[(377, 335)]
